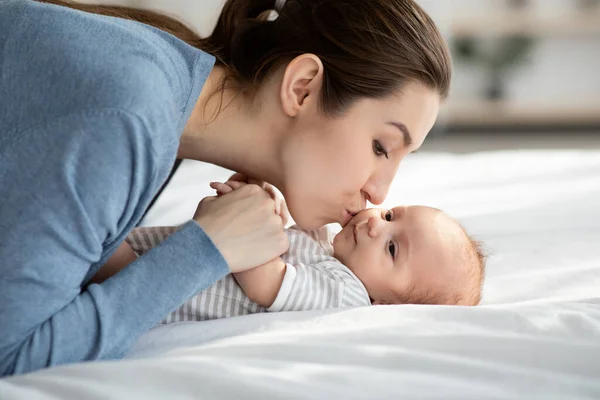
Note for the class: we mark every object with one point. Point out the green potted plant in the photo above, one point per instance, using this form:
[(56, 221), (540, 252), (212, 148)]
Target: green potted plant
[(497, 56)]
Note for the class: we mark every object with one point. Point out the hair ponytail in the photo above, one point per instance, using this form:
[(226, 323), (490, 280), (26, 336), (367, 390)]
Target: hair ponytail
[(237, 18), (369, 48)]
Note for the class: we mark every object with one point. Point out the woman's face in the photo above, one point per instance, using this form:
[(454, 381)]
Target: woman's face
[(333, 166)]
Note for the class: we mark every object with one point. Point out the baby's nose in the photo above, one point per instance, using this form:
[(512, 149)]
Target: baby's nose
[(374, 225)]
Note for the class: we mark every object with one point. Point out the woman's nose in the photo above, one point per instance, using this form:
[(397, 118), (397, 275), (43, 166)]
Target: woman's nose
[(375, 195), (376, 189)]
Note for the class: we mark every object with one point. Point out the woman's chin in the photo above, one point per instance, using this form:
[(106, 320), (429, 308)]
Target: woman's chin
[(308, 222)]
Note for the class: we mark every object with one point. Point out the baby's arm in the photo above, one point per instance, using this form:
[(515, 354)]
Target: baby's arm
[(262, 283), (318, 286), (139, 241), (123, 256)]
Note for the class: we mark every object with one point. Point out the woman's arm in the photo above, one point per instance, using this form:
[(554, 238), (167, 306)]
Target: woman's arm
[(80, 193), (77, 196), (260, 284)]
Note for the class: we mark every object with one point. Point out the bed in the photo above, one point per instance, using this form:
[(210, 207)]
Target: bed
[(535, 336)]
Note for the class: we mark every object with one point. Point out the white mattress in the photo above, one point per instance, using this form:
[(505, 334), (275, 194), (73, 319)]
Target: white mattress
[(537, 334)]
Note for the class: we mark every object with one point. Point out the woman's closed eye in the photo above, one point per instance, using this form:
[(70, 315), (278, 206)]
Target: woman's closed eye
[(379, 150)]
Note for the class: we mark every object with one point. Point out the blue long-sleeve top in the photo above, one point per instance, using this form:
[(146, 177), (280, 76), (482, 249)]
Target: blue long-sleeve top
[(91, 112)]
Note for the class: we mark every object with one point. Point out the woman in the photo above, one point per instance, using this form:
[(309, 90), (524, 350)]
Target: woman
[(323, 102)]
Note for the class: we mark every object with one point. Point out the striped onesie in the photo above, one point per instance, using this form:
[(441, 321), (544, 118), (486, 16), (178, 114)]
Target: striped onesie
[(314, 279)]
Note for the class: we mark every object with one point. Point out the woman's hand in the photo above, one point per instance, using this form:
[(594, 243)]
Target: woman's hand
[(281, 208), (244, 227)]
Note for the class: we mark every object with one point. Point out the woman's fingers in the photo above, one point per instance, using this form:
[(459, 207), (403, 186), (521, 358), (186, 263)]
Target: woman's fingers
[(281, 208), (273, 194), (244, 227), (238, 180)]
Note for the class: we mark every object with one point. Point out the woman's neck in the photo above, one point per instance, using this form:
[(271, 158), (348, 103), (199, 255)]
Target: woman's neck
[(237, 138)]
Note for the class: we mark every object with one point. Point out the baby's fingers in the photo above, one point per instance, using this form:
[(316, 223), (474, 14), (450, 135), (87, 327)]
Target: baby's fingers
[(235, 184), (221, 188)]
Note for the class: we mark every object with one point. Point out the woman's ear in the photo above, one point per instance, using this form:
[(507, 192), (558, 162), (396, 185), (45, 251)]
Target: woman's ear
[(301, 84)]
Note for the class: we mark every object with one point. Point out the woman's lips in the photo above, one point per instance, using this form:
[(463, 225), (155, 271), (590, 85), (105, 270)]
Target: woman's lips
[(347, 218)]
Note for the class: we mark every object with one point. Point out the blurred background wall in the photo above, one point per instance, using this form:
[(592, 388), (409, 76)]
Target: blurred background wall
[(527, 72)]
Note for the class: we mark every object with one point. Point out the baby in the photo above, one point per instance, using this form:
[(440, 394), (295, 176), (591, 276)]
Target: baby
[(406, 255)]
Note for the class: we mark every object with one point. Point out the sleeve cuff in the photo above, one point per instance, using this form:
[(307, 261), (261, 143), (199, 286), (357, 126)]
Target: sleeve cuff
[(199, 246), (285, 289)]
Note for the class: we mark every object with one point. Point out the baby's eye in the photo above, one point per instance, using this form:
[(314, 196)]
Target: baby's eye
[(388, 216), (392, 249)]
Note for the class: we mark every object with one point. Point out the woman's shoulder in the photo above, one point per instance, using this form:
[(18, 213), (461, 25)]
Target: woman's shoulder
[(75, 60)]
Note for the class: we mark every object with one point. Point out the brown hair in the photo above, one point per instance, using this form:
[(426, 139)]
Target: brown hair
[(369, 48), (476, 260)]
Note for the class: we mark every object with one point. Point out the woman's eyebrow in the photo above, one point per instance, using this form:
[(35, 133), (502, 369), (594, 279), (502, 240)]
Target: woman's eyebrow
[(405, 132)]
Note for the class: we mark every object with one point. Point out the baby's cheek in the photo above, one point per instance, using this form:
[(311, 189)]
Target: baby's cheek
[(365, 268), (344, 253), (402, 283)]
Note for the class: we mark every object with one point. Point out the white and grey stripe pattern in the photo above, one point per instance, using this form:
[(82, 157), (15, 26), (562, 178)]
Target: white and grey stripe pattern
[(320, 281)]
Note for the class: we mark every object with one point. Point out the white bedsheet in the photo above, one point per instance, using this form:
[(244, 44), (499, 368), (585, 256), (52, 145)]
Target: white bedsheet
[(537, 334)]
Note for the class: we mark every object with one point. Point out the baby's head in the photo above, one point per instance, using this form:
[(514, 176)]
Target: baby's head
[(412, 255)]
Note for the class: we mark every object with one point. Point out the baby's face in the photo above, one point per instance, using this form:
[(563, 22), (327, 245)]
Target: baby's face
[(394, 251)]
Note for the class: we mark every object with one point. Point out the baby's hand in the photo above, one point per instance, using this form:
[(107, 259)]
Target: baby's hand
[(227, 187), (239, 180)]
